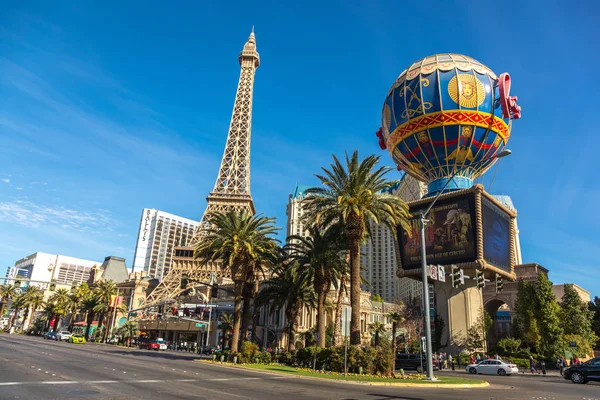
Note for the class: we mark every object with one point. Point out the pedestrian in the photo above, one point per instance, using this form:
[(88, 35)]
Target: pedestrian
[(563, 364), (532, 365), (497, 356), (576, 361), (471, 359), (571, 362)]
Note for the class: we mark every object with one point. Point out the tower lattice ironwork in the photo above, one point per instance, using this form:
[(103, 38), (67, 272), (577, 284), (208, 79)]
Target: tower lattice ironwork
[(232, 188)]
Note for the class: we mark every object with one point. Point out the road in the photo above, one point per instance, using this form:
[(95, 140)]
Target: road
[(32, 368)]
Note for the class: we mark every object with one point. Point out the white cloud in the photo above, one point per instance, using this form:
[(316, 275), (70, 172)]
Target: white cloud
[(19, 188), (32, 215), (5, 180)]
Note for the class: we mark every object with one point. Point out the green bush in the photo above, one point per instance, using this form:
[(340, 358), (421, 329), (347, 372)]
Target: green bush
[(509, 345), (305, 356), (247, 351), (383, 361), (287, 358)]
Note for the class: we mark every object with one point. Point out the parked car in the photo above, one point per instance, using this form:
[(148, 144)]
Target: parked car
[(78, 339), (492, 367), (50, 336), (583, 373), (63, 335), (413, 362), (207, 350), (156, 345)]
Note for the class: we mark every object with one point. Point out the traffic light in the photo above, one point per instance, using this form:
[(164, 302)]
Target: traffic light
[(455, 274), (480, 279), (214, 290), (499, 283), (184, 282)]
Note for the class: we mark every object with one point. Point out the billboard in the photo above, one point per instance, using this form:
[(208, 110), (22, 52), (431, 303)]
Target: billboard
[(449, 235), (496, 235)]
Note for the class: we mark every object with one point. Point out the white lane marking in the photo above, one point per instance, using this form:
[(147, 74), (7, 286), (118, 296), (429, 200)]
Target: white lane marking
[(233, 379)]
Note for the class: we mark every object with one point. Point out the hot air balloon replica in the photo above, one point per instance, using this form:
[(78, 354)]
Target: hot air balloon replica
[(447, 114)]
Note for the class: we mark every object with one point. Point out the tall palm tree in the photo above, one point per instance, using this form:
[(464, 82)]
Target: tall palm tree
[(396, 319), (60, 299), (48, 313), (241, 242), (319, 260), (226, 326), (18, 303), (377, 328), (288, 290), (128, 331), (103, 293), (88, 306), (33, 298), (355, 194), (7, 292)]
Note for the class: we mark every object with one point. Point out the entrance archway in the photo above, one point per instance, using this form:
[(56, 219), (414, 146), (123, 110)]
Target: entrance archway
[(500, 313)]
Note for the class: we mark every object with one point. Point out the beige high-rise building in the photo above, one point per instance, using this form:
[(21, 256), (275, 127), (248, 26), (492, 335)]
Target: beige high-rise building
[(378, 255), (295, 211)]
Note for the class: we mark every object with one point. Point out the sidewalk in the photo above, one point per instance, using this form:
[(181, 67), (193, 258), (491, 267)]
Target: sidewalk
[(461, 371)]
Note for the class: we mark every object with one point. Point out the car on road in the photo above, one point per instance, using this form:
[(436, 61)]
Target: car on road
[(207, 350), (492, 367), (50, 336), (63, 335), (583, 373), (77, 339), (156, 345), (413, 362)]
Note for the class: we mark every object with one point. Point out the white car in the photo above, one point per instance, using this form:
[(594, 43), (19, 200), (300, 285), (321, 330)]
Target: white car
[(63, 335), (492, 367)]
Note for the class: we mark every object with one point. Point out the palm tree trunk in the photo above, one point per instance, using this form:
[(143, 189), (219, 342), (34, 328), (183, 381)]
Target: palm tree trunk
[(25, 318), (245, 313), (237, 316), (376, 339), (394, 327), (355, 289), (255, 310), (89, 320), (321, 318), (337, 332), (293, 320), (13, 319)]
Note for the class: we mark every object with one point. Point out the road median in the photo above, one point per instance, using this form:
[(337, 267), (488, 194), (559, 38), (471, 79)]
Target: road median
[(278, 369)]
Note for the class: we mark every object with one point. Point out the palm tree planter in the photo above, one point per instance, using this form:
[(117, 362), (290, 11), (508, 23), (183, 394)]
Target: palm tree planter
[(355, 194)]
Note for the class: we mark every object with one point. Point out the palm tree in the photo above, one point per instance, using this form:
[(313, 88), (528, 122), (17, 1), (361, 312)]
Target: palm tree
[(377, 328), (48, 313), (128, 331), (396, 319), (226, 326), (60, 299), (7, 292), (290, 290), (355, 195), (88, 306), (33, 298), (320, 261), (242, 243), (18, 303), (103, 293)]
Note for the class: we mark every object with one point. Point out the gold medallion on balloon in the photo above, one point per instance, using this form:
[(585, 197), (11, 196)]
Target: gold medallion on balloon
[(466, 90)]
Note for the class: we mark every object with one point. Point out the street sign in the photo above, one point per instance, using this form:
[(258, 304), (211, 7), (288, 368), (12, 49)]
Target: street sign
[(317, 337), (199, 324), (433, 272), (441, 273), (462, 276), (572, 344), (346, 314)]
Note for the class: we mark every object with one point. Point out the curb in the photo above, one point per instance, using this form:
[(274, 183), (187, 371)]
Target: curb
[(397, 384)]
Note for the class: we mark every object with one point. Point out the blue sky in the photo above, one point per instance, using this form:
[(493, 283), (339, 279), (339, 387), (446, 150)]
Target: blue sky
[(109, 108)]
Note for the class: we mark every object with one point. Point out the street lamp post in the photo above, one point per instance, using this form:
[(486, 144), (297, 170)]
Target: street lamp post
[(426, 312)]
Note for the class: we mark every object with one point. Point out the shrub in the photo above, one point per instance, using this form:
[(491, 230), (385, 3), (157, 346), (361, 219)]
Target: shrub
[(287, 358), (247, 352), (509, 344), (305, 356), (383, 361)]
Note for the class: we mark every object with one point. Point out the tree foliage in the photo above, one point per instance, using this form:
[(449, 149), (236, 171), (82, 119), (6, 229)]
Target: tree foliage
[(353, 194)]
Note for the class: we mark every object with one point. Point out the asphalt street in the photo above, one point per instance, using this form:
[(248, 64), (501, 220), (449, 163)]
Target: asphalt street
[(32, 368)]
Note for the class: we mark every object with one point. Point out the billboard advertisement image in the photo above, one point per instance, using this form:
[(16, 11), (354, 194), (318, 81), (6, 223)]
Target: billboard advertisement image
[(449, 235), (496, 235)]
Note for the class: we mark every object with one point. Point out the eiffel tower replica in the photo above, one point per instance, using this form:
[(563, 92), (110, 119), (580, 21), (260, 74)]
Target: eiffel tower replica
[(231, 191)]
